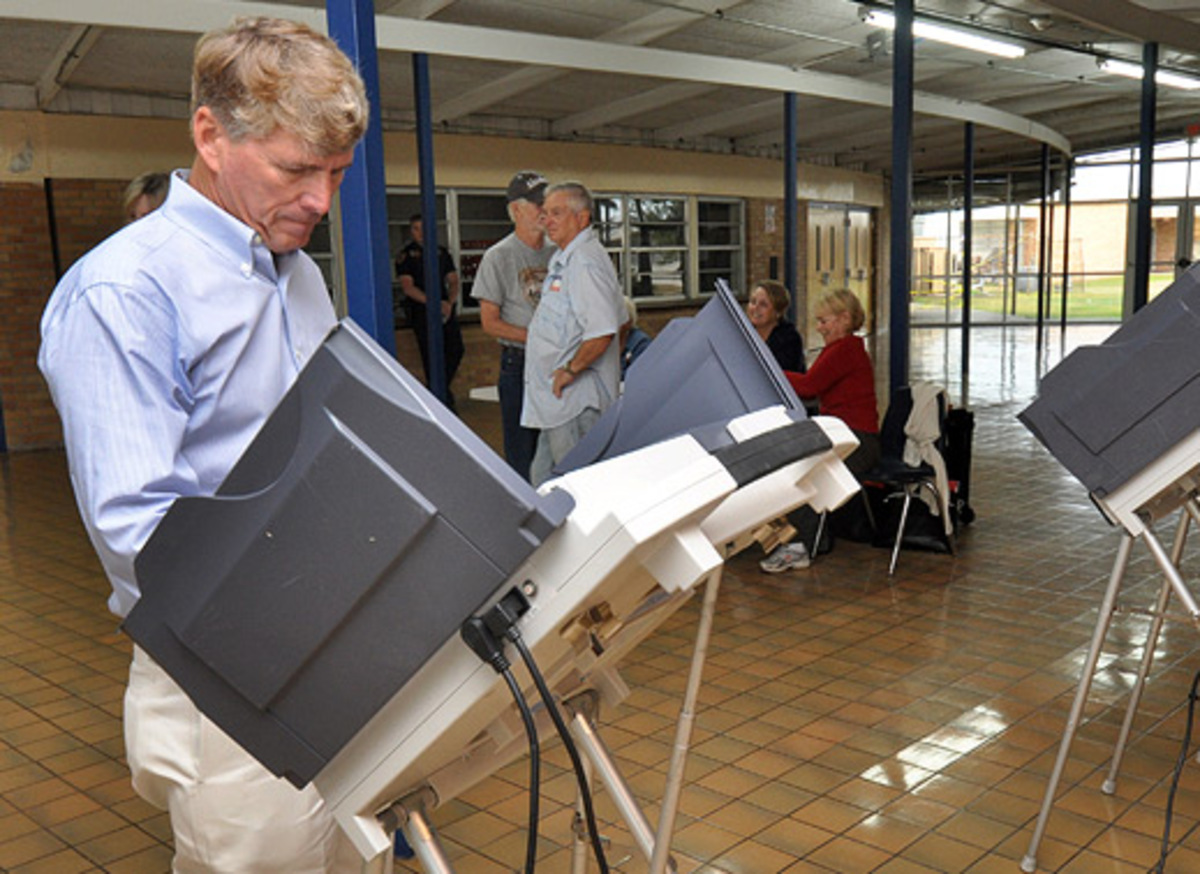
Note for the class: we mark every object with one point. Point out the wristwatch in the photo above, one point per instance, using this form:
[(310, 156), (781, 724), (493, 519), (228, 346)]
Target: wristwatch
[(569, 369)]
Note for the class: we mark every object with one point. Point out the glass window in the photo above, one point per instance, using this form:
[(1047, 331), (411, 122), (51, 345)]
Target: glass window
[(720, 222), (1172, 149), (720, 235), (1118, 156), (320, 248), (648, 237), (609, 221), (1101, 182), (482, 221), (1170, 179), (401, 206), (657, 233)]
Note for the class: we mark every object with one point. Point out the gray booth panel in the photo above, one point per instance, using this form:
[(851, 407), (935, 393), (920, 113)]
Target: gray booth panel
[(707, 369), (1107, 412), (360, 528)]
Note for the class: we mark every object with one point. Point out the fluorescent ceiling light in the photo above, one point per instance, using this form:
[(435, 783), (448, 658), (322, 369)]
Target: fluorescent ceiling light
[(1161, 77), (949, 35)]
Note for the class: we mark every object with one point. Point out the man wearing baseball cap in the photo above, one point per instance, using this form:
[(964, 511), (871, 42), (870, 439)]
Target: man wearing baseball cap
[(507, 285)]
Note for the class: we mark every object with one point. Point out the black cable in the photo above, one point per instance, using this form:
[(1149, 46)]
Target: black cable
[(484, 644), (535, 770), (576, 763), (1183, 755)]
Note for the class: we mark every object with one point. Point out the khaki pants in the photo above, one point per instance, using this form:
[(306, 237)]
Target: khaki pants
[(229, 814), (553, 444)]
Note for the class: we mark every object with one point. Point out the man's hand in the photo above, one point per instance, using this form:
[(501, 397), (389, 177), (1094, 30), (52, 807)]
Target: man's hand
[(562, 379), (447, 309)]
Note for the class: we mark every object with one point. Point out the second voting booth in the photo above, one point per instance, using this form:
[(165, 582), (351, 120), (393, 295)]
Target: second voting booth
[(312, 607)]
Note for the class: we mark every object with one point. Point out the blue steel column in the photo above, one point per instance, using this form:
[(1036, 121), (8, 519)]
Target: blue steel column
[(968, 247), (367, 262), (433, 294), (901, 254), (1068, 171), (1141, 240), (790, 210), (1041, 258)]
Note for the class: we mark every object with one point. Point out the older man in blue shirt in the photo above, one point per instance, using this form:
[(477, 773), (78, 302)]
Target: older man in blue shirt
[(165, 349), (572, 356)]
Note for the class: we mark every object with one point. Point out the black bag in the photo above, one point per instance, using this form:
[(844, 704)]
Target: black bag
[(922, 529), (960, 433)]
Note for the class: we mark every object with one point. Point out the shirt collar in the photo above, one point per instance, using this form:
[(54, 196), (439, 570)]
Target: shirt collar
[(224, 232), (564, 255)]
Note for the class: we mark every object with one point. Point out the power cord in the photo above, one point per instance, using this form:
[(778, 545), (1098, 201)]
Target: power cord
[(1180, 762), (502, 620), (476, 634)]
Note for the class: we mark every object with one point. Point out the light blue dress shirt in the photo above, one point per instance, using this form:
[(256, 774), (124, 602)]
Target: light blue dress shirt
[(581, 299), (166, 347)]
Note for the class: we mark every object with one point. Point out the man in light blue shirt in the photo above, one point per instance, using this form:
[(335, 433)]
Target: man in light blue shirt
[(572, 357), (166, 348)]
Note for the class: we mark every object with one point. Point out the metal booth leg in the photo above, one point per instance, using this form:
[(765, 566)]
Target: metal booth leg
[(1029, 863), (1172, 574), (596, 753), (655, 845), (683, 730), (580, 846), (409, 814), (816, 545), (900, 531), (423, 839), (1160, 608)]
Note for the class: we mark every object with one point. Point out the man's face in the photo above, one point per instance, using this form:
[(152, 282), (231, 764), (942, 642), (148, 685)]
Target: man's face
[(562, 223), (417, 232), (274, 184), (527, 216)]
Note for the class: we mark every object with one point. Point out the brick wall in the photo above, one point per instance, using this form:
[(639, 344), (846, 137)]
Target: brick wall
[(26, 278), (764, 242), (85, 212)]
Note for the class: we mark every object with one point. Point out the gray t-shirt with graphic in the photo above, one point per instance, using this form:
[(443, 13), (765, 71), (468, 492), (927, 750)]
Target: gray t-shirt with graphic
[(510, 275)]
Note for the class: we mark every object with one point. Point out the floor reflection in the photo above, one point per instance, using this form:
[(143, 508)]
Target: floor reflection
[(1005, 364)]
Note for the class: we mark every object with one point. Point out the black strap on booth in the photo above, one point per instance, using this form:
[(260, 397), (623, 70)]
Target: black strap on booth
[(768, 452)]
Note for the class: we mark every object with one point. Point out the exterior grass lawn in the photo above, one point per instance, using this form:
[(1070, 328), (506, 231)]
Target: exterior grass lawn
[(1092, 298)]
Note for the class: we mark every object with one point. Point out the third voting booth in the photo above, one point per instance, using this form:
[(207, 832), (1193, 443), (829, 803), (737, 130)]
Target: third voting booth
[(1124, 418)]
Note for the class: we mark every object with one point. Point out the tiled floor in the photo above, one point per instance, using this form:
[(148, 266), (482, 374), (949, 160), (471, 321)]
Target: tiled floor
[(849, 722)]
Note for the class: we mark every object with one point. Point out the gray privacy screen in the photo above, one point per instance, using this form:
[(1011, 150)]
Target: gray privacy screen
[(698, 371), (359, 529), (1107, 412)]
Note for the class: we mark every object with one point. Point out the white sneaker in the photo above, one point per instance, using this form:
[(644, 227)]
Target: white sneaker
[(788, 557)]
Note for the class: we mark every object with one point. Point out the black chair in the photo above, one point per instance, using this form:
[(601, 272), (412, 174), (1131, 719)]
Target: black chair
[(898, 479)]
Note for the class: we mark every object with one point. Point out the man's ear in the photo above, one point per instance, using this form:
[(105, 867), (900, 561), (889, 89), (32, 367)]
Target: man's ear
[(209, 138)]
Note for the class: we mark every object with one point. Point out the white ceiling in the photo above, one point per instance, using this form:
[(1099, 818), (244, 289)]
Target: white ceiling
[(688, 74)]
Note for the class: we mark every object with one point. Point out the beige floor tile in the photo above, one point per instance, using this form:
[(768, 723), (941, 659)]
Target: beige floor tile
[(851, 722)]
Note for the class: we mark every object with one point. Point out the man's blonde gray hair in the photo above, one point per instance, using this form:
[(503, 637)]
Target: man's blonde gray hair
[(261, 74)]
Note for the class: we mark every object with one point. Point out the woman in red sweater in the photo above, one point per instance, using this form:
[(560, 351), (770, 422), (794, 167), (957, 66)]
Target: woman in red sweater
[(842, 378), (843, 382)]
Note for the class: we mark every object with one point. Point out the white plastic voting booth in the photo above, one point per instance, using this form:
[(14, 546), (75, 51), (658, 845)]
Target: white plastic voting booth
[(647, 530), (366, 524), (1124, 418)]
